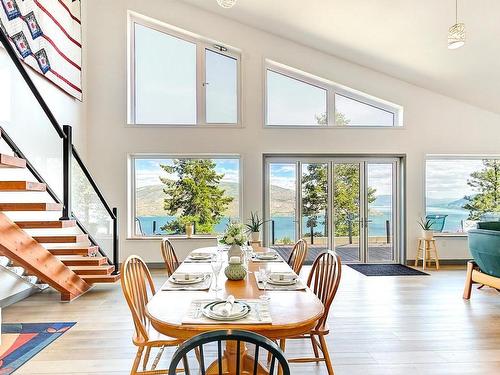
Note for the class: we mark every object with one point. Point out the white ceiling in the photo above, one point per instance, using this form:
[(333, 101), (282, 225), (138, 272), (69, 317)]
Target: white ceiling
[(406, 39)]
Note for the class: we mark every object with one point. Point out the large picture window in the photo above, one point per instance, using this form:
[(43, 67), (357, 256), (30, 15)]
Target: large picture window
[(296, 98), (177, 78), (461, 190), (169, 192)]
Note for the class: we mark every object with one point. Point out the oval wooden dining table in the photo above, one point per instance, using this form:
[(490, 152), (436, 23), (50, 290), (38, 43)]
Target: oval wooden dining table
[(292, 312)]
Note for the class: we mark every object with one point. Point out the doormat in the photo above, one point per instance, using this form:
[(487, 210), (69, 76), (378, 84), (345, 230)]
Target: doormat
[(22, 341), (386, 270)]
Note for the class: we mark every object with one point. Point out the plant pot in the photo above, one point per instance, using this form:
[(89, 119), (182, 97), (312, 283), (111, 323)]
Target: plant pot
[(189, 230), (235, 251), (255, 236), (427, 234)]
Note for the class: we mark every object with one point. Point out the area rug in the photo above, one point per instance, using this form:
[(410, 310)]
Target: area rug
[(21, 341), (386, 270)]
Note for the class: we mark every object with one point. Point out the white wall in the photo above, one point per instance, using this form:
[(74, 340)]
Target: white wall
[(433, 123)]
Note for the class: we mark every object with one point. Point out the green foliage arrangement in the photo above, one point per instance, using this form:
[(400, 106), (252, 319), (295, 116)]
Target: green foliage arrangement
[(425, 224), (234, 234), (255, 223)]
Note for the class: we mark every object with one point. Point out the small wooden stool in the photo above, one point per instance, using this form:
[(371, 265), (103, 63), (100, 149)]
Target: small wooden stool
[(425, 249)]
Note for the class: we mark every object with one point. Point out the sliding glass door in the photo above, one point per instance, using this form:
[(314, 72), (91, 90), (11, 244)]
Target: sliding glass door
[(347, 204)]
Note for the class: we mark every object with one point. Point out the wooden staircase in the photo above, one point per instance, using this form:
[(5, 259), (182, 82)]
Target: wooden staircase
[(69, 263)]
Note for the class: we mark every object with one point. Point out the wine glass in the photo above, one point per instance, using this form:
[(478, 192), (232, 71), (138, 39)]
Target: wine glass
[(264, 274), (216, 263)]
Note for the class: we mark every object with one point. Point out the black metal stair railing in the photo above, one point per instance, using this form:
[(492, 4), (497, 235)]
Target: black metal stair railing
[(70, 155)]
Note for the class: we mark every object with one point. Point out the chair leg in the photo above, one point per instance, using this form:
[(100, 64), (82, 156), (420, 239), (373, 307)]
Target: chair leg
[(282, 346), (315, 347), (468, 281), (324, 349), (137, 361), (146, 358)]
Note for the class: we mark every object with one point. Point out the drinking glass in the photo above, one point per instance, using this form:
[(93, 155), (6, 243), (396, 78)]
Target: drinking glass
[(264, 274), (216, 264)]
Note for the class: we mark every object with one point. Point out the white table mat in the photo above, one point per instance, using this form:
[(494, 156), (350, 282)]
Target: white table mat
[(202, 285), (259, 313), (299, 285)]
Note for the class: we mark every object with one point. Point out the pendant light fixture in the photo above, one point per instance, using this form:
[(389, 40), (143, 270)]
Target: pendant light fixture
[(456, 33), (226, 3)]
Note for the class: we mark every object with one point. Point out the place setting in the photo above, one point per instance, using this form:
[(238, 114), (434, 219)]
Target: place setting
[(228, 310), (266, 256), (188, 281), (268, 280), (199, 257)]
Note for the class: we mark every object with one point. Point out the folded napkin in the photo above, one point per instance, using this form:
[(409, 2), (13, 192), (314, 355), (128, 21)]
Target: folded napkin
[(283, 276), (228, 306), (187, 275)]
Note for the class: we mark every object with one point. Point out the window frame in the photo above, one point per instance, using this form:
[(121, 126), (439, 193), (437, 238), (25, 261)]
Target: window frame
[(331, 89), (449, 157), (131, 185), (201, 44)]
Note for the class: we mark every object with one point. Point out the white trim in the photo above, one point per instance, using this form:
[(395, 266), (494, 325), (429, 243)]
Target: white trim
[(131, 193), (332, 89), (201, 44)]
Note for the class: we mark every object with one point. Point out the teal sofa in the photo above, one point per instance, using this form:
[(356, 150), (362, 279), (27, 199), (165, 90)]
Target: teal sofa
[(484, 246)]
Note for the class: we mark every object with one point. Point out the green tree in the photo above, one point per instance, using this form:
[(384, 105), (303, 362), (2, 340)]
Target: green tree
[(195, 195), (340, 119), (314, 193), (346, 199), (487, 183)]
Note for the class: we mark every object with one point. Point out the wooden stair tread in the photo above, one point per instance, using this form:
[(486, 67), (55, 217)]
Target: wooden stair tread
[(49, 224), (8, 161), (31, 206), (92, 279), (67, 238), (92, 270), (85, 250), (22, 186), (78, 260)]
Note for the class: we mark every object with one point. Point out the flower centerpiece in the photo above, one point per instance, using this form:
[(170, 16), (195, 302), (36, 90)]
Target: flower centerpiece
[(234, 236)]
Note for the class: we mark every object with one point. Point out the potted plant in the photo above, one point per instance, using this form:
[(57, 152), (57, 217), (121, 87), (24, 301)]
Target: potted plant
[(253, 227), (234, 236), (426, 225)]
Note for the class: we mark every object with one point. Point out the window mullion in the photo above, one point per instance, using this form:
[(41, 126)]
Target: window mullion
[(331, 106), (201, 97)]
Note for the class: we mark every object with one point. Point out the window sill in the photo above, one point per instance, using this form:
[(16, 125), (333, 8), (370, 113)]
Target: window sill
[(450, 235), (186, 126), (182, 238), (331, 127)]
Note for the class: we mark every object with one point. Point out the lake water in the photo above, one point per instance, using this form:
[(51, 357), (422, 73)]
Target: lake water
[(284, 226)]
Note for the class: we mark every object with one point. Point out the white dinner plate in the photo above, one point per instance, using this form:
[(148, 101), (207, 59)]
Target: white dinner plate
[(213, 311), (183, 281)]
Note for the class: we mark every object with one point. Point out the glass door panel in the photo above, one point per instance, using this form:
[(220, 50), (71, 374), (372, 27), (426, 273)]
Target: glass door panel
[(314, 209), (347, 211), (380, 212), (282, 206)]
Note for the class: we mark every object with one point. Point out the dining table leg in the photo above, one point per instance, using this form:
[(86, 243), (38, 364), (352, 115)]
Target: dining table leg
[(229, 361)]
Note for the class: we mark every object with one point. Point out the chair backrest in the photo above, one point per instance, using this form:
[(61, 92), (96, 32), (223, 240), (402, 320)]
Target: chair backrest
[(137, 286), (169, 256), (324, 280), (298, 256), (262, 346), (437, 222)]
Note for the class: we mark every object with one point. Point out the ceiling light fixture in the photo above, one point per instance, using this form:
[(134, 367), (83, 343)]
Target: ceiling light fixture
[(456, 33), (226, 3)]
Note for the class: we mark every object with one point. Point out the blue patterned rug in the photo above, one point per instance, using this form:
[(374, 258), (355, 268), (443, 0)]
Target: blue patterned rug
[(21, 341)]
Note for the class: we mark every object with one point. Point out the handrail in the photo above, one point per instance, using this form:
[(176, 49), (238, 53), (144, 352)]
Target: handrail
[(13, 56), (69, 152)]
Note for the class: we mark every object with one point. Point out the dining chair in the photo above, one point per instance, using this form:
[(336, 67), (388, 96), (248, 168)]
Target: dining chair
[(323, 280), (201, 346), (137, 286), (169, 256), (298, 256)]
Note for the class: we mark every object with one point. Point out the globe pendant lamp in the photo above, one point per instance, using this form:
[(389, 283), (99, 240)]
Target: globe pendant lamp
[(456, 33), (226, 3)]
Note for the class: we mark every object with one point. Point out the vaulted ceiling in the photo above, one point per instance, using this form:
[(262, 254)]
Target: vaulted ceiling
[(406, 39)]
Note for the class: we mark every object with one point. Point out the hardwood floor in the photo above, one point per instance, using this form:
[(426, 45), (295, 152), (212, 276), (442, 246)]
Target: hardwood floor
[(379, 325)]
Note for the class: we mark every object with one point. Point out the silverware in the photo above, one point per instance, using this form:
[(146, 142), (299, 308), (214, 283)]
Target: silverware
[(257, 310)]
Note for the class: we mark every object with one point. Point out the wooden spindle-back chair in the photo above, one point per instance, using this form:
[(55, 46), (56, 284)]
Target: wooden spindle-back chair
[(169, 256), (137, 286), (324, 280), (298, 256)]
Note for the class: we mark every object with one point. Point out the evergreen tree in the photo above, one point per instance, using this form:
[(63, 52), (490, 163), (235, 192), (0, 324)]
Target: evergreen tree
[(340, 119), (487, 183), (195, 195), (314, 194)]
